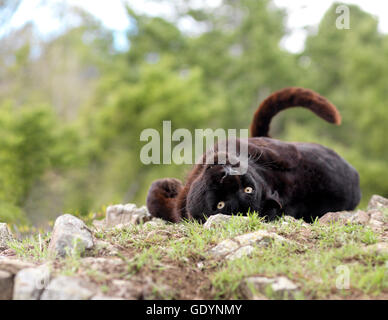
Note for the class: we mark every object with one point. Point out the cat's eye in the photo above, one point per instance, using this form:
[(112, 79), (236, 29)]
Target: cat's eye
[(220, 205), (248, 190)]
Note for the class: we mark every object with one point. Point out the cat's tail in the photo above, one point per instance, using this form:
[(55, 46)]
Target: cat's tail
[(287, 98)]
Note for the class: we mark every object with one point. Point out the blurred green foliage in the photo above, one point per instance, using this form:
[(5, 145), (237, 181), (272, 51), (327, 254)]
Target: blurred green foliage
[(72, 108)]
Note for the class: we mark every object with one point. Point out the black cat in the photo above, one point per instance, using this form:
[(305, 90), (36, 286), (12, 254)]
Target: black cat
[(303, 180)]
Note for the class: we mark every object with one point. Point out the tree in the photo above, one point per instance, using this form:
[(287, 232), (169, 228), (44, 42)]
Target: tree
[(348, 66), (7, 10)]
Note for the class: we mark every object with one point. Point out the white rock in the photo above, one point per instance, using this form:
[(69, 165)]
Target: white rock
[(259, 237), (224, 248), (356, 217), (5, 236), (377, 221), (155, 222), (281, 287), (67, 288), (216, 220), (123, 214), (283, 284), (376, 214), (70, 234), (379, 248), (241, 252), (30, 283), (377, 202), (122, 226), (220, 219), (233, 248), (6, 285), (13, 266)]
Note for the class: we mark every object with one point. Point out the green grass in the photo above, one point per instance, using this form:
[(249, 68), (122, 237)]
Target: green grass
[(32, 248), (313, 269), (314, 258)]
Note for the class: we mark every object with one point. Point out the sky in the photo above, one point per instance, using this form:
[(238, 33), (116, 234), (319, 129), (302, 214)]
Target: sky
[(301, 13)]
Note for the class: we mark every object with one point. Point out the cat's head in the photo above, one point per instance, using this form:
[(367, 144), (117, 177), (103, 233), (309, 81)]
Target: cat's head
[(219, 184), (226, 189)]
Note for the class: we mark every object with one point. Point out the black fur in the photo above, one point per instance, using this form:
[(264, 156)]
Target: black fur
[(303, 180)]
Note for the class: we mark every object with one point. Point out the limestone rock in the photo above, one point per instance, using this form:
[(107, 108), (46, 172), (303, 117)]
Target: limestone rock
[(6, 285), (259, 237), (377, 220), (376, 225), (122, 226), (219, 219), (7, 253), (379, 248), (240, 252), (5, 236), (359, 217), (155, 222), (13, 266), (376, 214), (253, 287), (377, 202), (373, 217), (216, 220), (224, 248), (70, 234), (67, 288), (30, 283), (123, 214), (244, 244)]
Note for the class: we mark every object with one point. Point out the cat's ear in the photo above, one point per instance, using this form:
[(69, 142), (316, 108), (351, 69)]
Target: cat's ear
[(272, 203), (161, 199)]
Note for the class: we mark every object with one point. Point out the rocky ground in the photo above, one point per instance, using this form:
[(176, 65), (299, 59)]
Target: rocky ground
[(130, 255)]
